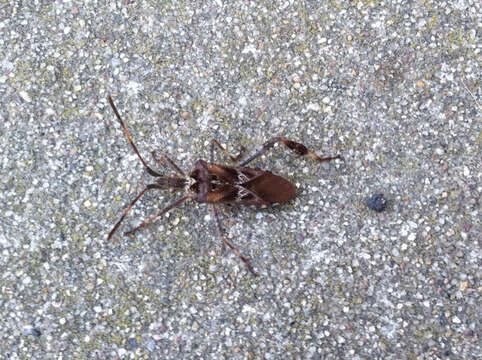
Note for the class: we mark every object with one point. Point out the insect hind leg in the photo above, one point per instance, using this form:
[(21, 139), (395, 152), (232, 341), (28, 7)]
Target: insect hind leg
[(298, 148)]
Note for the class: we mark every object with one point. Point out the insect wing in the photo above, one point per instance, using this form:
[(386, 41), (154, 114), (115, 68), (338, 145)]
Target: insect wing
[(271, 188), (234, 194)]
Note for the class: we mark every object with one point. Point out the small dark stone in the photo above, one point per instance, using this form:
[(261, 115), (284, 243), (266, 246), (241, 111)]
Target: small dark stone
[(165, 300), (132, 343), (32, 331), (376, 202), (442, 320)]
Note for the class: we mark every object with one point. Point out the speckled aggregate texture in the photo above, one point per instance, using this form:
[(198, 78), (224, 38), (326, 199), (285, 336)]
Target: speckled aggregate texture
[(393, 86)]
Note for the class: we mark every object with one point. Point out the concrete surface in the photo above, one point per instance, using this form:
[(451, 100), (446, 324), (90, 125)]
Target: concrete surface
[(393, 86)]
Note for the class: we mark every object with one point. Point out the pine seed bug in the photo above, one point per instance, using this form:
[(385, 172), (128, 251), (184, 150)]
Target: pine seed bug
[(218, 184)]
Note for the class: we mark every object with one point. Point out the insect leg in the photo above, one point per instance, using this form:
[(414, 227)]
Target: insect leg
[(298, 148), (148, 187), (170, 162), (159, 214), (226, 152), (129, 137), (231, 246)]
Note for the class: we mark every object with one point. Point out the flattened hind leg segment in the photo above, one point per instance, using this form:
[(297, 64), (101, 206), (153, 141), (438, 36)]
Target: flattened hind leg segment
[(298, 148)]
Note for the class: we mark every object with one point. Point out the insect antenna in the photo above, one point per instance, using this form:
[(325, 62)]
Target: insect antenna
[(129, 137)]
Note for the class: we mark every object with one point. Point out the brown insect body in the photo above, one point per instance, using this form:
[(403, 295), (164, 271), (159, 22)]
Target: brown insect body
[(238, 185), (219, 184)]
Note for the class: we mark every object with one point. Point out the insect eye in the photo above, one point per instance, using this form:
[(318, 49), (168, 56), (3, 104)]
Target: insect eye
[(194, 187), (194, 174)]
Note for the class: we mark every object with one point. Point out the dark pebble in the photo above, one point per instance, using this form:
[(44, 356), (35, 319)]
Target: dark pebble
[(165, 300), (132, 343), (376, 202), (32, 331)]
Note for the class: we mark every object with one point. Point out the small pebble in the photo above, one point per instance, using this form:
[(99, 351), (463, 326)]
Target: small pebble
[(33, 331), (132, 343), (376, 202)]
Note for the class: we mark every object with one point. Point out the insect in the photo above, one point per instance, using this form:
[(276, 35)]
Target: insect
[(218, 184)]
